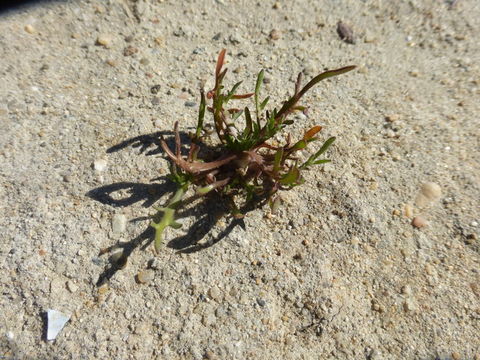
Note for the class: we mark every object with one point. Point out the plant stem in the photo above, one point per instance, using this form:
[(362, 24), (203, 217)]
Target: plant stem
[(168, 218)]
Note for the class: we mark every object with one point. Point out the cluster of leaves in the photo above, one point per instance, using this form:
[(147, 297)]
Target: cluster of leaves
[(247, 165)]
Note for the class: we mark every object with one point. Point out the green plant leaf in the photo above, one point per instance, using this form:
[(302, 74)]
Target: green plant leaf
[(248, 120), (232, 92), (311, 160), (201, 115), (291, 177), (277, 161), (323, 161), (264, 103)]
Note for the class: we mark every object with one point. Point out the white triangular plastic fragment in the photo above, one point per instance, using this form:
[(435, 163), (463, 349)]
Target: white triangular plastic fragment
[(56, 322)]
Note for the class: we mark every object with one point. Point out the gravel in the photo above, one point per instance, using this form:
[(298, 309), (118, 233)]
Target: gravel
[(268, 288)]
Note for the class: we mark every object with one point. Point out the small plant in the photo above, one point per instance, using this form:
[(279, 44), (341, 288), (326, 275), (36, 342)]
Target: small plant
[(247, 166)]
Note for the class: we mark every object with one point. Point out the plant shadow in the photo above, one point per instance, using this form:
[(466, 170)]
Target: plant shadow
[(123, 194)]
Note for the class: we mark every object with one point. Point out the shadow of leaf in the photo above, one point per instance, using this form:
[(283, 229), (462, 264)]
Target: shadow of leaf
[(124, 194)]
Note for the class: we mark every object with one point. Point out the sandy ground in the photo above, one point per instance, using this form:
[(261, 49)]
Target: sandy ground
[(339, 273)]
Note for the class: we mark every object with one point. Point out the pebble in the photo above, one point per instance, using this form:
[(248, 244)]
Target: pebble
[(235, 39), (456, 356), (30, 29), (71, 286), (119, 223), (409, 305), (56, 322), (100, 165), (429, 192), (419, 222), (208, 319), (215, 293), (104, 40), (275, 34), (190, 104), (155, 89), (414, 73), (369, 38), (130, 50), (261, 302), (407, 290), (408, 211), (116, 256), (155, 264), (392, 117), (144, 61), (145, 276), (345, 32), (300, 116)]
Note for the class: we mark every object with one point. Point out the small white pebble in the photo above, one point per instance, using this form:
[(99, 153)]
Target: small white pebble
[(104, 40), (428, 193), (407, 290), (409, 305), (100, 164), (71, 286), (431, 190), (145, 276), (119, 223)]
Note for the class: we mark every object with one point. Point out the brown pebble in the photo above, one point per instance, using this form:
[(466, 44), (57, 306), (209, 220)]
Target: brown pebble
[(210, 355), (111, 62), (419, 222), (275, 34), (345, 32), (30, 29), (130, 50), (392, 117), (471, 238), (456, 356), (145, 276), (408, 210), (102, 289)]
